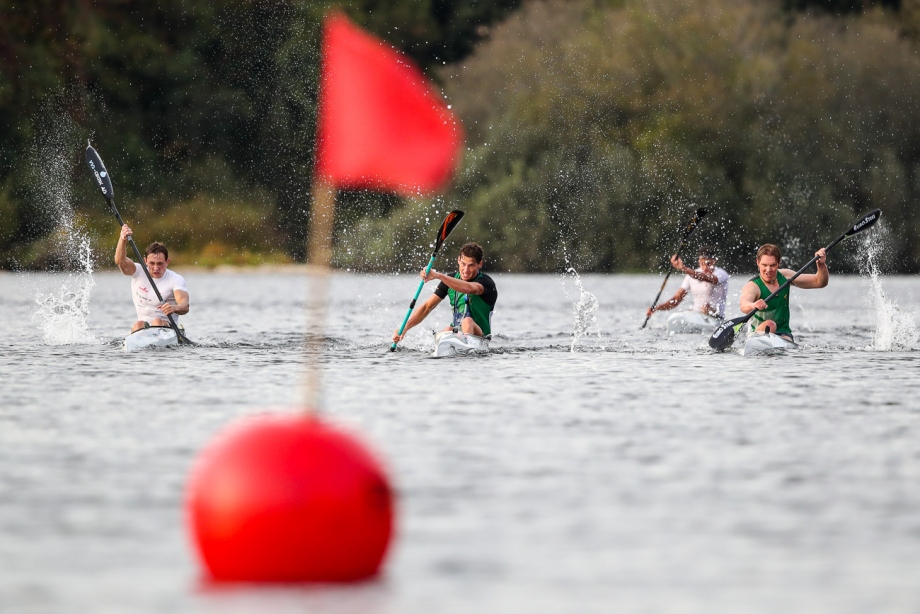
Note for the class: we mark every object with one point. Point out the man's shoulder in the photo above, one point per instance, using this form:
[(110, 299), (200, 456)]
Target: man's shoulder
[(175, 278), (722, 274)]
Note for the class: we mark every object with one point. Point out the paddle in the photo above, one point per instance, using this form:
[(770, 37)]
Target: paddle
[(683, 242), (104, 182), (453, 218), (724, 336)]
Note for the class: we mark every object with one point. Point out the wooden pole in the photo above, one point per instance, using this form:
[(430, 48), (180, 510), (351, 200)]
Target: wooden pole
[(319, 260)]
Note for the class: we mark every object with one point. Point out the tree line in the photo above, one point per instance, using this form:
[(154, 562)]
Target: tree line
[(595, 127)]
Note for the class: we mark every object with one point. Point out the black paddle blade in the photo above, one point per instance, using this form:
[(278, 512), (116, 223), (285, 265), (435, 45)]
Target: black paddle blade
[(97, 168), (700, 213), (868, 221), (453, 218), (724, 336)]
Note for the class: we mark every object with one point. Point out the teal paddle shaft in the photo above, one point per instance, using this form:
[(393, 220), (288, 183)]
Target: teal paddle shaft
[(450, 222), (415, 298)]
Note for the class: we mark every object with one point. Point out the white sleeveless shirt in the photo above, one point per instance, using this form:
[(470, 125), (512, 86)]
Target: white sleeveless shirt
[(704, 293), (145, 299)]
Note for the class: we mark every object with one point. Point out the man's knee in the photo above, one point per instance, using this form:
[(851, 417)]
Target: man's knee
[(769, 326)]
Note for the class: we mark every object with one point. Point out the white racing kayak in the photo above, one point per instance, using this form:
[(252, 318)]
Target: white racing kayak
[(766, 343), (449, 343), (154, 336), (692, 322)]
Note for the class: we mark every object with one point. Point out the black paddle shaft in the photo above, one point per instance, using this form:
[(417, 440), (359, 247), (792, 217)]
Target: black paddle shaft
[(725, 334), (104, 182), (683, 241)]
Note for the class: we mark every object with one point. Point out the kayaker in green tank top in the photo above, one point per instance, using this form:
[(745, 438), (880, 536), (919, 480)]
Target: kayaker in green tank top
[(773, 317), (471, 292)]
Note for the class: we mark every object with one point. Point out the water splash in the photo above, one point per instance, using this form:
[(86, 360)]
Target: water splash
[(894, 329), (587, 331), (62, 315)]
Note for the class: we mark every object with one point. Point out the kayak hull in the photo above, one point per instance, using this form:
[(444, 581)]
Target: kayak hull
[(691, 322), (155, 336), (449, 343), (766, 343)]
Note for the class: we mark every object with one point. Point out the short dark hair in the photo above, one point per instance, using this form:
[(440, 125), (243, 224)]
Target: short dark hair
[(707, 251), (472, 250), (156, 248), (768, 249)]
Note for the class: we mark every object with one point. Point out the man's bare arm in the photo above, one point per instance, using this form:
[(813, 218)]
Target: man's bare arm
[(464, 287), (121, 256), (421, 312), (812, 280), (181, 307), (678, 264), (750, 298), (671, 303)]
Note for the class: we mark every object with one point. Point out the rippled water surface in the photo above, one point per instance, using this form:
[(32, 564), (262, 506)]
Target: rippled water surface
[(637, 473)]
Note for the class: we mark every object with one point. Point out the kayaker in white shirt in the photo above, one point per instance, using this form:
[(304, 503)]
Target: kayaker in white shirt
[(150, 311), (708, 284)]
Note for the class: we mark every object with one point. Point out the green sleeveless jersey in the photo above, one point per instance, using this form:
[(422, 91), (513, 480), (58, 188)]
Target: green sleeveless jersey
[(778, 307), (477, 306)]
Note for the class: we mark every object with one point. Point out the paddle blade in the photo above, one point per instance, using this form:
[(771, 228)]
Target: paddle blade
[(724, 336), (868, 221), (453, 218), (97, 168), (700, 213)]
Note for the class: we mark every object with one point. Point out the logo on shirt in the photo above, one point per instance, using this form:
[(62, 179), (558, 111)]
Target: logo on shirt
[(142, 289)]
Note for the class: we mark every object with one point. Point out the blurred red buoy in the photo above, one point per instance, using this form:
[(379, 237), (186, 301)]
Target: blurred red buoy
[(289, 499)]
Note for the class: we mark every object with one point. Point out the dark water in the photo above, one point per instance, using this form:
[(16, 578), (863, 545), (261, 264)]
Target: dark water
[(639, 473)]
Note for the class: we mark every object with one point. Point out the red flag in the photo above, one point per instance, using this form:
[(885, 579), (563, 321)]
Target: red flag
[(381, 125)]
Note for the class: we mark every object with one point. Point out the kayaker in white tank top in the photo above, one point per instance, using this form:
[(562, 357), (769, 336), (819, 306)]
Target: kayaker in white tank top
[(708, 284), (150, 311)]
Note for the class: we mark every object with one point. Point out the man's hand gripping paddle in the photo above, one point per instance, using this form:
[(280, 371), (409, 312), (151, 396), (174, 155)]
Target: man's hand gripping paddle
[(724, 336), (104, 181), (453, 218), (683, 242)]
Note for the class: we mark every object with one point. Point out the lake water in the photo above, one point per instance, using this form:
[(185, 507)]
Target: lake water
[(637, 473)]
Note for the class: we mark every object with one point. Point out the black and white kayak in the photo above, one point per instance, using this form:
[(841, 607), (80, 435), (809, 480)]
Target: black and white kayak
[(692, 322), (766, 343), (449, 343), (153, 336)]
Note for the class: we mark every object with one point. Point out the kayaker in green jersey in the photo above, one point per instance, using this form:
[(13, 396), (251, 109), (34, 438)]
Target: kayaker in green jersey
[(471, 292), (773, 317)]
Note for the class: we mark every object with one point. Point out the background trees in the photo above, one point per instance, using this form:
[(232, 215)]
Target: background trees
[(594, 126), (595, 130)]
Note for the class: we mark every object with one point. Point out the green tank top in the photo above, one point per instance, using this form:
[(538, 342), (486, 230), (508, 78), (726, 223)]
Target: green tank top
[(471, 305), (777, 308)]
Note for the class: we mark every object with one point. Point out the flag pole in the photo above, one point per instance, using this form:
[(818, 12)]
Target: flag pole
[(319, 260)]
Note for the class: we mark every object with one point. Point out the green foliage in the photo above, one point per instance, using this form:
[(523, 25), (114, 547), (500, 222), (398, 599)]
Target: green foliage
[(433, 32), (8, 211), (594, 133), (594, 126), (165, 88), (838, 6)]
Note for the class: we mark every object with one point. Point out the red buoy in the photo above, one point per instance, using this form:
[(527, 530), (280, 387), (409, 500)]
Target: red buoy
[(289, 499)]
